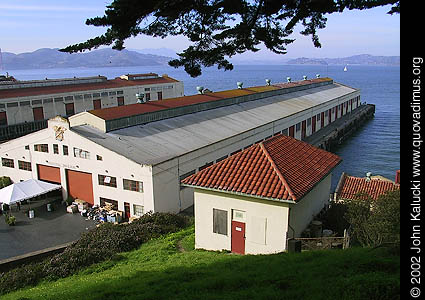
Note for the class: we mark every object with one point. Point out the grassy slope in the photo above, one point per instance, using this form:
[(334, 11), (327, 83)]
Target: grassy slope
[(159, 271)]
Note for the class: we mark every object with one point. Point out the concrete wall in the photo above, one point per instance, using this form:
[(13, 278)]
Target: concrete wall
[(266, 222), (112, 164)]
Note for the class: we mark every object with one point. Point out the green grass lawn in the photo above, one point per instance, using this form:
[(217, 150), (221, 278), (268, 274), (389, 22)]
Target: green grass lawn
[(169, 268)]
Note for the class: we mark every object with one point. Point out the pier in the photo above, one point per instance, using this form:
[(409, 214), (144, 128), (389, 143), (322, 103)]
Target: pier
[(339, 130)]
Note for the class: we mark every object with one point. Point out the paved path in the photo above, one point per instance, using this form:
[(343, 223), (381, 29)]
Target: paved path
[(47, 229)]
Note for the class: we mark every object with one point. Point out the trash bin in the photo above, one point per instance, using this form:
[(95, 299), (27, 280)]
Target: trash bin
[(49, 207)]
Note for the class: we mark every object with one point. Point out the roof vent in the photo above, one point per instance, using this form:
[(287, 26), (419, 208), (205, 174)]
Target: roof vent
[(239, 84), (268, 81), (200, 89), (368, 176), (140, 98), (288, 79), (317, 75), (304, 77)]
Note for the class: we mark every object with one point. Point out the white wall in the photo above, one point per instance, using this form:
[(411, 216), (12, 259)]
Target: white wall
[(302, 213), (273, 213), (112, 164)]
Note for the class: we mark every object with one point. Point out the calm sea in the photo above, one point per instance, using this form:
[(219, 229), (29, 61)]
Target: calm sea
[(374, 148)]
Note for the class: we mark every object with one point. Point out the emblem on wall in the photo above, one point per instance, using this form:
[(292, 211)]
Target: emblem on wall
[(59, 130)]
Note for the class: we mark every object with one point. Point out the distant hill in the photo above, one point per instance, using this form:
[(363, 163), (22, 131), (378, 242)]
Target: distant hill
[(47, 58), (362, 59)]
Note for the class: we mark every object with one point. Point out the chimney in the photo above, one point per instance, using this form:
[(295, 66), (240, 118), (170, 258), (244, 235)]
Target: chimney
[(239, 84), (397, 177), (268, 81), (304, 77), (368, 176), (200, 89), (288, 79), (317, 75), (140, 98)]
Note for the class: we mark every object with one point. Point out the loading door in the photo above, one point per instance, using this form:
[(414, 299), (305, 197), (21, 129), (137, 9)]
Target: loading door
[(313, 124), (80, 185), (50, 174)]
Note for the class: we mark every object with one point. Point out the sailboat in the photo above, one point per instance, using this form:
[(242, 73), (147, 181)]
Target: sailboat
[(345, 69)]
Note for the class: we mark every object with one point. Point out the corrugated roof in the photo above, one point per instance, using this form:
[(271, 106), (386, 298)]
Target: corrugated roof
[(159, 141), (351, 186), (281, 167), (83, 87)]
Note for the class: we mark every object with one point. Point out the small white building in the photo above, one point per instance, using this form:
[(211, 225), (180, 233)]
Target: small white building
[(253, 201)]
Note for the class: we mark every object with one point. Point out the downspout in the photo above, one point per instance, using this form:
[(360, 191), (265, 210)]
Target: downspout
[(290, 227)]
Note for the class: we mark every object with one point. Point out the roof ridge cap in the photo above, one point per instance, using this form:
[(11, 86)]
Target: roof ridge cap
[(279, 174)]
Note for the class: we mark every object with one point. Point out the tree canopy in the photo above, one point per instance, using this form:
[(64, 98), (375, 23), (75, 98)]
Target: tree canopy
[(218, 29)]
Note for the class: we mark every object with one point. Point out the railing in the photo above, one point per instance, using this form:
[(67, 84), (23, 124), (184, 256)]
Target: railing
[(17, 130), (330, 242)]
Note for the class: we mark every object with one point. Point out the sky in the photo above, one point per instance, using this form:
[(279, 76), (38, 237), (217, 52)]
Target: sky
[(28, 25)]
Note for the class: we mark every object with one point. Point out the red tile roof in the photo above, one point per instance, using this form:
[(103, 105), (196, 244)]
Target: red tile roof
[(281, 168), (350, 186), (72, 88), (124, 111)]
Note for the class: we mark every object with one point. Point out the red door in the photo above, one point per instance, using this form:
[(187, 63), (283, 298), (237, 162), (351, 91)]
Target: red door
[(3, 118), (97, 104), (238, 237), (159, 95), (336, 112), (313, 124), (127, 210), (80, 185), (330, 116), (303, 130), (322, 120), (291, 131), (120, 101), (38, 113)]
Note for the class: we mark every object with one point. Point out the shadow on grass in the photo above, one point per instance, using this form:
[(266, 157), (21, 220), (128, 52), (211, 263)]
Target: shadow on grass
[(349, 274)]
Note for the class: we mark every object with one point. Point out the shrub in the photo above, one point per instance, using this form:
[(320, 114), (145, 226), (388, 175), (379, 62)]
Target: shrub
[(5, 181), (97, 245)]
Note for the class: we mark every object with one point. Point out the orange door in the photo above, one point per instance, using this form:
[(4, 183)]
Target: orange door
[(313, 124), (50, 174), (38, 113), (238, 237), (80, 185), (322, 120), (291, 131), (303, 129)]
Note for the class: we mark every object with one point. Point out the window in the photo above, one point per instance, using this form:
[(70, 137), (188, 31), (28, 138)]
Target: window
[(221, 158), (120, 101), (65, 150), (147, 89), (41, 148), (24, 103), (107, 180), (132, 185), (24, 165), (70, 98), (27, 147), (49, 100), (318, 117), (112, 93), (207, 165), (138, 210), (285, 131), (7, 162), (308, 121), (36, 102), (98, 157), (97, 104), (55, 149), (81, 153), (298, 127), (148, 96), (220, 221), (233, 153), (120, 92)]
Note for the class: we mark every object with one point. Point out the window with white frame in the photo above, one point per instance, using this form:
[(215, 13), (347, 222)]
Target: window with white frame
[(132, 185), (138, 210), (220, 221), (81, 153)]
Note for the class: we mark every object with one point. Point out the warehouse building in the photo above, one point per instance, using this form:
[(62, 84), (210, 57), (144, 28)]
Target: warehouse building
[(38, 100), (136, 155)]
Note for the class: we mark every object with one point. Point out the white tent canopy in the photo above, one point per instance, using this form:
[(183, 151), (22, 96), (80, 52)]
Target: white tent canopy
[(25, 190)]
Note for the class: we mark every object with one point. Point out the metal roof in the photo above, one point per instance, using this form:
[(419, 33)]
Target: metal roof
[(162, 140)]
